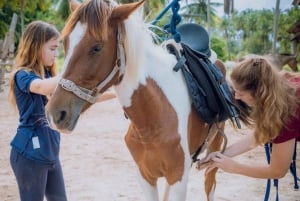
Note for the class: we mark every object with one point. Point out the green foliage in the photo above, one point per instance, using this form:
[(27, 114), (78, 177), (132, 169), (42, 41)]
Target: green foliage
[(286, 20), (219, 46), (256, 27), (196, 12), (249, 31), (47, 10), (33, 10)]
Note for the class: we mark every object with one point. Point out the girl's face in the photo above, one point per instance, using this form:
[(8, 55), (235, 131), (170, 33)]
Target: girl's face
[(244, 96), (50, 51)]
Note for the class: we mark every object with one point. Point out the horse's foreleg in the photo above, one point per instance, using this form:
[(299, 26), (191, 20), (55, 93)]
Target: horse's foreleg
[(167, 192), (178, 190), (150, 191), (210, 178)]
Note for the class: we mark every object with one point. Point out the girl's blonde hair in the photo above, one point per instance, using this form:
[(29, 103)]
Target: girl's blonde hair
[(29, 55), (275, 98)]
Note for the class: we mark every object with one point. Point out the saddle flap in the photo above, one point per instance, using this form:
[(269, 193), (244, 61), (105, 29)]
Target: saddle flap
[(207, 86)]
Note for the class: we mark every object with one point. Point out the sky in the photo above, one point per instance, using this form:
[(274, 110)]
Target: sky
[(256, 4)]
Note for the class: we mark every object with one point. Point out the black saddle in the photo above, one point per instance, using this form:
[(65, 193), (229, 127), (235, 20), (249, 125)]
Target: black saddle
[(196, 37)]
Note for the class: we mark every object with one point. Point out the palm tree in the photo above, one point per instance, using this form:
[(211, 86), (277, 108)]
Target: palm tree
[(228, 6), (200, 12)]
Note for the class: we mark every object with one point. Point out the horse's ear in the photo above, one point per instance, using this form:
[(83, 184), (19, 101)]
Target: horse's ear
[(122, 12), (73, 4)]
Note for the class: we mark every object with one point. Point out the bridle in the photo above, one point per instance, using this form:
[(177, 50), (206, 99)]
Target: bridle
[(90, 95)]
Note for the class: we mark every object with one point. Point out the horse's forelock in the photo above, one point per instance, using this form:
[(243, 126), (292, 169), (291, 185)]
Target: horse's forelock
[(95, 14)]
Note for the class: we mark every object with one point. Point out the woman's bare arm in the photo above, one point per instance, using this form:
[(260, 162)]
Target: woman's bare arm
[(280, 162)]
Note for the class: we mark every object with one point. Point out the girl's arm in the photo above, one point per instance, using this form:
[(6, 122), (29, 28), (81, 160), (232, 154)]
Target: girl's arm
[(243, 145), (44, 86)]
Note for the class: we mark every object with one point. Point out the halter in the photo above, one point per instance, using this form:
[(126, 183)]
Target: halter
[(91, 95)]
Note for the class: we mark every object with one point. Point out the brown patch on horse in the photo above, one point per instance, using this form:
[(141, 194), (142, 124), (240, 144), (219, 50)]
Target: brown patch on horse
[(197, 131), (221, 66), (153, 138)]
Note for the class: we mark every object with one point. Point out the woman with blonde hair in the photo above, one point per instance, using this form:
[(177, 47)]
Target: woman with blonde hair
[(270, 104)]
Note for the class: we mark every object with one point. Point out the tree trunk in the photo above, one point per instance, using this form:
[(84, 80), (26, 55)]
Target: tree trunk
[(22, 3), (208, 18), (7, 52), (275, 29)]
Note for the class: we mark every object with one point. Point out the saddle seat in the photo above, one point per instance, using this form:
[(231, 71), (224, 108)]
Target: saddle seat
[(196, 37)]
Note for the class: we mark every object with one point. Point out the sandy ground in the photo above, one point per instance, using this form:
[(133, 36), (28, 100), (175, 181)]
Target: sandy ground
[(98, 167)]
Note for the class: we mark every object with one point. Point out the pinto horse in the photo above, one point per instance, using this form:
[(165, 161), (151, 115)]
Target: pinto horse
[(279, 60), (108, 45)]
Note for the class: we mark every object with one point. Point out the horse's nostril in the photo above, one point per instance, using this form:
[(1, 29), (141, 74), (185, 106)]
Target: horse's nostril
[(62, 116)]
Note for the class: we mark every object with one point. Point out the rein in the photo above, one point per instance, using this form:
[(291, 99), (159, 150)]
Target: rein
[(90, 95)]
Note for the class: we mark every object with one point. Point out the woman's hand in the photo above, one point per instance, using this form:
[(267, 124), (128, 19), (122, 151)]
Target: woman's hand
[(223, 162), (217, 160), (207, 161)]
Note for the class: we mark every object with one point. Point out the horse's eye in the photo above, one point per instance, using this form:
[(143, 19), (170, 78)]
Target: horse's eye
[(96, 49)]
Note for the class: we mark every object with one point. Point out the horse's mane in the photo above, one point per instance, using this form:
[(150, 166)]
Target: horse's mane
[(139, 39), (94, 13)]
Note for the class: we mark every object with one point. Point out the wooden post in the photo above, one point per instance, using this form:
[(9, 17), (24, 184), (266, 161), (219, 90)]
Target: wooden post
[(7, 50)]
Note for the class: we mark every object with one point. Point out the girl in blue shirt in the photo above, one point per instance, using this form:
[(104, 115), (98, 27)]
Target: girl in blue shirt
[(35, 148)]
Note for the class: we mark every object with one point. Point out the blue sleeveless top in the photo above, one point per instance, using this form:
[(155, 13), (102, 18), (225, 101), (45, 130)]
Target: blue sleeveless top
[(34, 139)]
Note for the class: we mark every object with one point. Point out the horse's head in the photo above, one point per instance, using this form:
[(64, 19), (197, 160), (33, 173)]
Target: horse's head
[(94, 61), (293, 63)]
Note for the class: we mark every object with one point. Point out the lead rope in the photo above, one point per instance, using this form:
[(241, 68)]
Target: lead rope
[(175, 19), (293, 168)]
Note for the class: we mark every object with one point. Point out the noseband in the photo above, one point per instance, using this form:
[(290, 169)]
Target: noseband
[(90, 95)]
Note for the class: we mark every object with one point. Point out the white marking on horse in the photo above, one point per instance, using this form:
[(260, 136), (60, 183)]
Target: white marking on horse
[(74, 38)]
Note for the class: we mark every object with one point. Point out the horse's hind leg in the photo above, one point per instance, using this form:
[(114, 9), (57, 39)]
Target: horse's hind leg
[(210, 178)]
